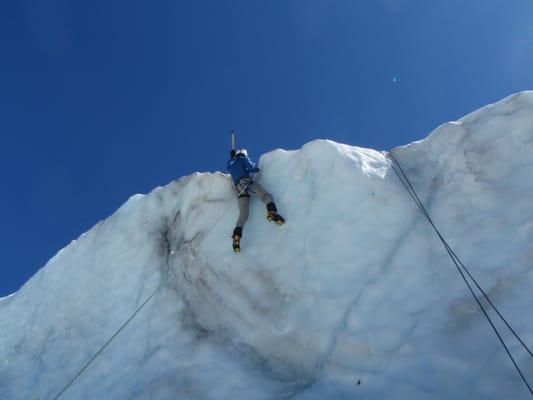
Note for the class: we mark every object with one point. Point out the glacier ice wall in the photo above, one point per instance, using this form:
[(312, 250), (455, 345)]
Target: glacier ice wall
[(355, 288)]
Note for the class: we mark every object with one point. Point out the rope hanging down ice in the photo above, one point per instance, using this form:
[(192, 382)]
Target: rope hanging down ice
[(137, 311), (82, 370), (462, 269)]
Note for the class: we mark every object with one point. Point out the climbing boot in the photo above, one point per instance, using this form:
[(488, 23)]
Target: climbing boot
[(237, 234), (272, 214), (275, 217), (236, 244)]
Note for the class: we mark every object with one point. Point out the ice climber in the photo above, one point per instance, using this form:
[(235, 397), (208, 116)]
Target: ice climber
[(241, 167)]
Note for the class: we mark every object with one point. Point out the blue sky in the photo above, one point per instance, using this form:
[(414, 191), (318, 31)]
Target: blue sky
[(100, 100)]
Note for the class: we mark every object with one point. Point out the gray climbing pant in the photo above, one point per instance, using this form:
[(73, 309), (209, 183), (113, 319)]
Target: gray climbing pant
[(254, 189)]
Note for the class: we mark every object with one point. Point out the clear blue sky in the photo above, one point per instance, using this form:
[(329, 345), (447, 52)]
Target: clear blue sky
[(103, 99)]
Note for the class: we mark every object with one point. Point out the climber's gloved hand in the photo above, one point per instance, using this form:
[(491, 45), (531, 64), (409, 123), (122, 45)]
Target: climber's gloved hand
[(232, 153), (256, 169)]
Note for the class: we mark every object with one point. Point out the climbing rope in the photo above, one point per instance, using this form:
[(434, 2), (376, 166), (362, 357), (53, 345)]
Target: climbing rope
[(137, 311), (462, 269), (82, 370)]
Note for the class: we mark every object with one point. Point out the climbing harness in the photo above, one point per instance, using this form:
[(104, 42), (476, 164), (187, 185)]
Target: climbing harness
[(462, 269)]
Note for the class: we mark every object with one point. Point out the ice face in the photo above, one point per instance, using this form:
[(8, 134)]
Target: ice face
[(353, 297)]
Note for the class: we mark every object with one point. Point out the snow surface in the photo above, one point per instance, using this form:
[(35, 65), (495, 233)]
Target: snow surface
[(355, 287)]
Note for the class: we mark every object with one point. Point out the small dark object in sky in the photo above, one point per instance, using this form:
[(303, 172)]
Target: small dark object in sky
[(358, 381)]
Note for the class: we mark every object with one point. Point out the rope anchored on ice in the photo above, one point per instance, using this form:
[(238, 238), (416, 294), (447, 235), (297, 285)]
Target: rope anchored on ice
[(462, 269)]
